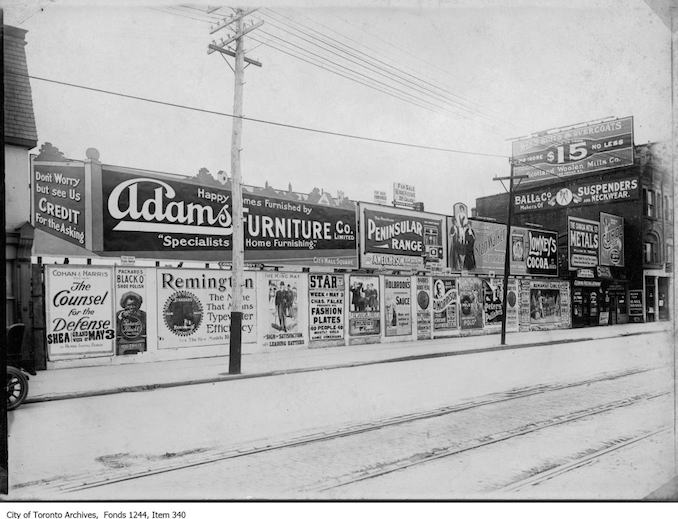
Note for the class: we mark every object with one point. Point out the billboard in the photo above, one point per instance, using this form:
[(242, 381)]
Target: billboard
[(611, 240), (364, 314), (79, 311), (445, 301), (403, 194), (479, 247), (130, 316), (398, 306), (575, 151), (544, 305), (59, 201), (470, 303), (326, 307), (162, 217), (577, 194), (282, 303), (194, 307), (424, 317), (400, 238), (582, 243)]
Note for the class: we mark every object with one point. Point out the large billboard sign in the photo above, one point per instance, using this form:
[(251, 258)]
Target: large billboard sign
[(575, 151), (578, 194), (582, 243), (160, 216), (611, 240), (479, 247), (401, 239), (59, 200)]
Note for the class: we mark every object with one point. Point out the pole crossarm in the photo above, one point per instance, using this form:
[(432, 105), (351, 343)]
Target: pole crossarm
[(216, 48), (230, 20), (233, 38)]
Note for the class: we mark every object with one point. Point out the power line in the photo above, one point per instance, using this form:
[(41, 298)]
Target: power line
[(262, 121), (376, 64)]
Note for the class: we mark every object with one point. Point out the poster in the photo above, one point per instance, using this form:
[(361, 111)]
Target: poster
[(470, 303), (611, 240), (79, 311), (636, 312), (364, 316), (59, 200), (153, 216), (445, 298), (512, 308), (424, 307), (544, 305), (326, 307), (542, 253), (401, 238), (398, 306), (493, 292), (194, 307), (283, 303), (130, 314), (582, 243)]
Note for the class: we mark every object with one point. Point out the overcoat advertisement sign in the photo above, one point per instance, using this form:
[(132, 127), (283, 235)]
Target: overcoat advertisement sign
[(400, 238), (576, 151), (326, 307), (582, 243), (59, 201), (79, 312), (157, 214), (577, 194), (611, 240)]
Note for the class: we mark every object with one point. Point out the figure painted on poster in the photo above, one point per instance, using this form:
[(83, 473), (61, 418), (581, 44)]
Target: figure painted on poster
[(131, 324), (280, 306)]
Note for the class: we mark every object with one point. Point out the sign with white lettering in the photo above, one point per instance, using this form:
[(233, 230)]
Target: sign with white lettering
[(326, 308), (79, 311), (157, 216), (397, 306), (59, 201), (403, 194), (636, 305), (582, 243), (470, 302), (400, 239), (194, 307), (575, 151), (611, 240), (577, 194)]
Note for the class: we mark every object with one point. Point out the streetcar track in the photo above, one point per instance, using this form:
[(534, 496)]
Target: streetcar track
[(89, 480), (559, 470), (439, 453)]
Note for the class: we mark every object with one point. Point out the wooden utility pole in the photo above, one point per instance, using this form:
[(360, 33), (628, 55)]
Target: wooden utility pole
[(238, 238), (507, 252), (4, 465)]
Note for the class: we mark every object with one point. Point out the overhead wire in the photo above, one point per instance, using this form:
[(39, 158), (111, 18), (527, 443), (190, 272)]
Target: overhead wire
[(379, 66), (256, 120)]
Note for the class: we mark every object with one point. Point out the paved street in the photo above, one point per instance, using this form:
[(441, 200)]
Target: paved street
[(589, 419)]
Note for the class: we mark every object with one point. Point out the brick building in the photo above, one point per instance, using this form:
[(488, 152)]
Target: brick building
[(639, 288)]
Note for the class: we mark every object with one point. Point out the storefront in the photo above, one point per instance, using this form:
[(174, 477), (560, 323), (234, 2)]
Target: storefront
[(657, 291), (586, 302)]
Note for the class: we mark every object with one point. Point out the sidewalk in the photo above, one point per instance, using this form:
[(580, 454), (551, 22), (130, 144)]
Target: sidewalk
[(99, 380)]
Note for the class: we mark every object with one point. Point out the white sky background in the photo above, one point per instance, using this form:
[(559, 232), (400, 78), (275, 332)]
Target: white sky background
[(535, 64)]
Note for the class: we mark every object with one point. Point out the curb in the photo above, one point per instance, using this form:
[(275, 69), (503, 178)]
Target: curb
[(225, 377)]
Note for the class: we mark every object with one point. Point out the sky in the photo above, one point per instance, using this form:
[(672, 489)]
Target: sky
[(494, 71)]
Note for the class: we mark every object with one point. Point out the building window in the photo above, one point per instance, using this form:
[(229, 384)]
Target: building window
[(649, 203), (651, 249), (667, 209)]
